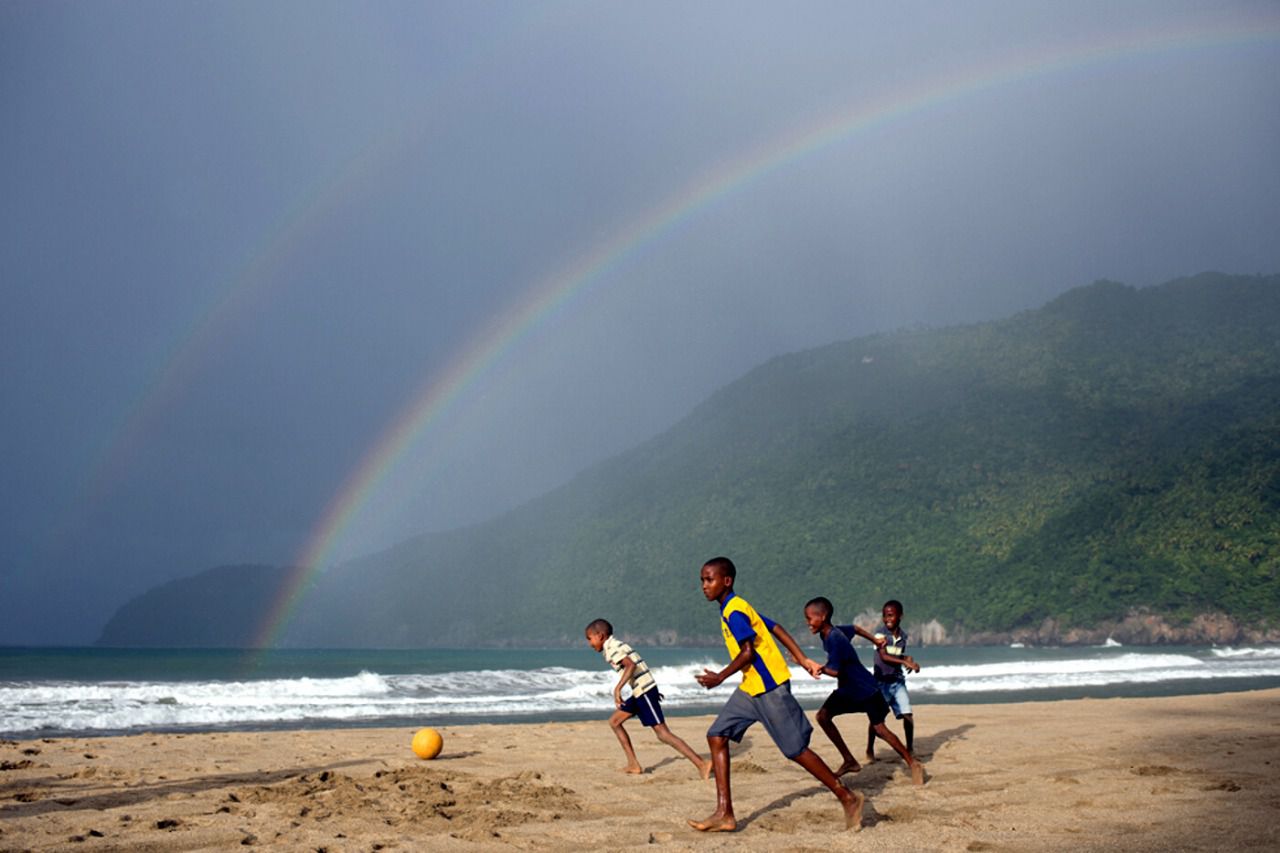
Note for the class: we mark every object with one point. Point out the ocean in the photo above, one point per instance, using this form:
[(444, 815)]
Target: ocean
[(54, 692)]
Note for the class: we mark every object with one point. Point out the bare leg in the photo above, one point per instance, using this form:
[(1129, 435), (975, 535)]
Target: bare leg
[(674, 741), (615, 723), (848, 763), (722, 820), (871, 745), (917, 769), (851, 801), (909, 729)]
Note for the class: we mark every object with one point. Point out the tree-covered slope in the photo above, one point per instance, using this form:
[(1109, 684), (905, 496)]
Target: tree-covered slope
[(222, 607), (1116, 449)]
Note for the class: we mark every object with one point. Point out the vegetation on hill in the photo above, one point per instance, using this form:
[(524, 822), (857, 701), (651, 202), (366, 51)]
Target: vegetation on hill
[(224, 607), (1116, 449)]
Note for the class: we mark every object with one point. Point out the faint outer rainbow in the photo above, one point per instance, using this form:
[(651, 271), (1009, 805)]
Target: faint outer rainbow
[(262, 268), (551, 292)]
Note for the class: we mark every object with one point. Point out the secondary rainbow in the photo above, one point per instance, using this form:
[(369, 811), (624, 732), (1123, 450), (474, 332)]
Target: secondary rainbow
[(262, 268), (550, 293)]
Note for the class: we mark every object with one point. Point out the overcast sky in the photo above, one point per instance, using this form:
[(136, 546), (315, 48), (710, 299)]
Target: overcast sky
[(242, 240)]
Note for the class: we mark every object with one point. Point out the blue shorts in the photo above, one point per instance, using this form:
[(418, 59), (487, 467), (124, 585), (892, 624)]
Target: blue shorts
[(895, 693), (647, 706), (778, 710)]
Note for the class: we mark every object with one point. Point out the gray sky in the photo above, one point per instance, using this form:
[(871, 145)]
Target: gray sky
[(242, 239)]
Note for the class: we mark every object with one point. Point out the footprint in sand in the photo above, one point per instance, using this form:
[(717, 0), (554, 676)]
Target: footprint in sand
[(1154, 770), (747, 767)]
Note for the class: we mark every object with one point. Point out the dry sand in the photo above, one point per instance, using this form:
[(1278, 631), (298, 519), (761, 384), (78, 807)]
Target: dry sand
[(1195, 772)]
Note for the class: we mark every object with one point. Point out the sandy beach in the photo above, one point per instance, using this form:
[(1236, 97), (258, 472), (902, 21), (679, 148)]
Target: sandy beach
[(1185, 773)]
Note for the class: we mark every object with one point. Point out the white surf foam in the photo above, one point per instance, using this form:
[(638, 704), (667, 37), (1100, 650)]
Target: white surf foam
[(115, 706)]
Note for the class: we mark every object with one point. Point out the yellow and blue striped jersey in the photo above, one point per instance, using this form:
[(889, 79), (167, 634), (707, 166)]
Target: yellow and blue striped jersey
[(740, 622)]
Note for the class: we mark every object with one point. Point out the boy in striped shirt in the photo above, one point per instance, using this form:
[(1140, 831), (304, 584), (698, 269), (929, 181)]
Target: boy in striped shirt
[(644, 701)]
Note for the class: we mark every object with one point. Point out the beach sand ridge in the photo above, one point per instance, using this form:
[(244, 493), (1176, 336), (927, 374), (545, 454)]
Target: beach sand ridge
[(1169, 773)]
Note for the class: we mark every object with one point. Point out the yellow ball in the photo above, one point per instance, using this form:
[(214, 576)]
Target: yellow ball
[(427, 743)]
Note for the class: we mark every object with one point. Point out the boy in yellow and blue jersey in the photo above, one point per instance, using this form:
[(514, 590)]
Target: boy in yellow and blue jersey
[(764, 697)]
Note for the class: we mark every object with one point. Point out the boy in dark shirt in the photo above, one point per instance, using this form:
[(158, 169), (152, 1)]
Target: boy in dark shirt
[(856, 690)]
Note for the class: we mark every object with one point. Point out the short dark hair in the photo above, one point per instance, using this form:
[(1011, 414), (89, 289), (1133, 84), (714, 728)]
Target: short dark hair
[(724, 566), (823, 604), (599, 626), (895, 604)]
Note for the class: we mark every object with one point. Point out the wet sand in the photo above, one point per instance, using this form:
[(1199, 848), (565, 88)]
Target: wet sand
[(1175, 773)]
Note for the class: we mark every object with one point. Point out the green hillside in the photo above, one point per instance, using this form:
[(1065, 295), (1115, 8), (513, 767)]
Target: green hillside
[(219, 608), (1116, 449)]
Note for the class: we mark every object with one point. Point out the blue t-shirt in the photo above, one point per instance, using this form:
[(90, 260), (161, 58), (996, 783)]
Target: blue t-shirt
[(852, 679)]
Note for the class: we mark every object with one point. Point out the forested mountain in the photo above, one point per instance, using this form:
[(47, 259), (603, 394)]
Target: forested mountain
[(222, 607), (1114, 452)]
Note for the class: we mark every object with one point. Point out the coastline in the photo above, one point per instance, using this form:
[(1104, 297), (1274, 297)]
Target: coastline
[(1181, 772)]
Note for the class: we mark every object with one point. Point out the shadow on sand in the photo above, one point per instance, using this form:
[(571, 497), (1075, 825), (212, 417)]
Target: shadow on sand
[(871, 781)]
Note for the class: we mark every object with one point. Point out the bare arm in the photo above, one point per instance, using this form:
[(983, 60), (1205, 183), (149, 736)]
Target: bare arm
[(628, 667), (904, 660), (867, 635), (746, 654), (810, 665)]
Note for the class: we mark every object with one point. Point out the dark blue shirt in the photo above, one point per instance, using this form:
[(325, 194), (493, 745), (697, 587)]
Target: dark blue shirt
[(852, 679), (896, 645)]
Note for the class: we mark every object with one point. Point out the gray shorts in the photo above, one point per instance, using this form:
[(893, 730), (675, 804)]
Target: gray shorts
[(778, 710)]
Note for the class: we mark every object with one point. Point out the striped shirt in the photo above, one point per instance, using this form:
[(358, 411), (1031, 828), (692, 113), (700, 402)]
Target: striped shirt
[(615, 652)]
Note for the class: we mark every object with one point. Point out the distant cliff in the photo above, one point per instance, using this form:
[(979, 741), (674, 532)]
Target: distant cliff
[(222, 607), (1107, 463)]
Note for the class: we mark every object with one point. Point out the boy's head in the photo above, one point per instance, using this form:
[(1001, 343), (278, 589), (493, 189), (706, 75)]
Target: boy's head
[(718, 575), (817, 613), (891, 613), (597, 632)]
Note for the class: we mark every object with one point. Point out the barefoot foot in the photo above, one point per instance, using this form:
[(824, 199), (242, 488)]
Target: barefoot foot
[(868, 759), (635, 770), (850, 766), (717, 823), (704, 770), (917, 773), (853, 811)]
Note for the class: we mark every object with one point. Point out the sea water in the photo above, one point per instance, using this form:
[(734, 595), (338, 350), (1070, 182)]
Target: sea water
[(93, 691)]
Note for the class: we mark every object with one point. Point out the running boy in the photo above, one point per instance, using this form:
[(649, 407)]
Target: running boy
[(891, 657), (644, 701), (764, 697), (856, 690)]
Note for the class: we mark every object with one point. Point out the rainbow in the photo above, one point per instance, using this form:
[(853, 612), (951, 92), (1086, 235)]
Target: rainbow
[(551, 293), (262, 267)]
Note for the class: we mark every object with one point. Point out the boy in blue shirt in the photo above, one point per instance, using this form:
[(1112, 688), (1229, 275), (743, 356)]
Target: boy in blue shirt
[(856, 690)]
